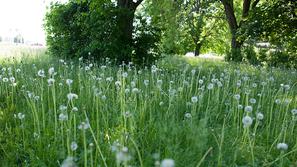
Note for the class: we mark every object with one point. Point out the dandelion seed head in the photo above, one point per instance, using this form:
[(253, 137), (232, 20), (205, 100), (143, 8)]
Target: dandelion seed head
[(253, 101), (167, 163), (237, 96), (69, 82), (282, 146), (188, 115), (73, 146), (71, 96), (294, 112), (41, 73), (68, 162), (194, 99), (247, 121), (260, 116), (248, 109)]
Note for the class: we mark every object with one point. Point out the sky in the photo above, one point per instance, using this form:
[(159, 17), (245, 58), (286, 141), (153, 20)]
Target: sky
[(25, 17)]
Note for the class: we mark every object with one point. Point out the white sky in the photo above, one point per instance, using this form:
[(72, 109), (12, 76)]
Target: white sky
[(24, 15)]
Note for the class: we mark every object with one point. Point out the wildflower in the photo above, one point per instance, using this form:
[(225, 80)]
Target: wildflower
[(12, 79), (84, 125), (161, 103), (193, 72), (194, 99), (146, 82), (123, 156), (5, 79), (282, 146), (63, 117), (219, 83), (62, 107), (69, 82), (294, 112), (103, 97), (287, 87), (41, 73), (127, 90), (287, 101), (109, 79), (240, 107), (210, 86), (253, 101), (72, 96), (50, 81), (74, 109), (188, 115), (87, 68), (167, 163), (200, 81), (133, 84), (247, 121), (68, 162), (118, 83), (254, 85), (73, 146), (154, 69), (51, 71), (237, 96), (159, 83), (125, 75), (277, 101), (248, 109), (260, 116), (135, 90), (21, 116)]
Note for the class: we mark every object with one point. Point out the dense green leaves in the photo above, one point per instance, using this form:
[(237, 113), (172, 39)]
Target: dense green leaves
[(91, 29)]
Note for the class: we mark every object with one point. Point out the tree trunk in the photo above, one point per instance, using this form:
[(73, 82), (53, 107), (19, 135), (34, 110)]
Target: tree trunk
[(125, 24), (233, 26), (197, 49)]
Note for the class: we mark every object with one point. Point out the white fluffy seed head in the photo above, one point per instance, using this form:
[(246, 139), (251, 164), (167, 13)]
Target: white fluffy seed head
[(282, 146), (167, 163), (248, 109), (260, 116), (247, 121), (194, 99)]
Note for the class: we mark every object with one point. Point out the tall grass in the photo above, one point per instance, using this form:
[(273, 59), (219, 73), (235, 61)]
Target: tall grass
[(209, 113)]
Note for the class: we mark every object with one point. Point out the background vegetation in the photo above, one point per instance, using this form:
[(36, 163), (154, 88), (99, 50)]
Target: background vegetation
[(141, 31)]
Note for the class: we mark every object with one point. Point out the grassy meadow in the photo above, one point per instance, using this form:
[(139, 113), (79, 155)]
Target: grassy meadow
[(179, 112)]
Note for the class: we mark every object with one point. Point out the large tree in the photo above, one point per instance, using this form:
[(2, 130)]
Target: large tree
[(234, 24)]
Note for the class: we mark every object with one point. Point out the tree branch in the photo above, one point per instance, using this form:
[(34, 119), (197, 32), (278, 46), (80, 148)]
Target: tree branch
[(255, 3), (137, 3), (246, 8)]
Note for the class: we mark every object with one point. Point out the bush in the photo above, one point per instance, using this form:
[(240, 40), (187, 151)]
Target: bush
[(89, 30)]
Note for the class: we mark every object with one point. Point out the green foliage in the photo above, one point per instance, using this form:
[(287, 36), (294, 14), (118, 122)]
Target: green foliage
[(274, 22), (90, 29), (146, 41)]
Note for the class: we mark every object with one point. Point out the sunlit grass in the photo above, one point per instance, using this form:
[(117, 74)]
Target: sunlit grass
[(187, 112)]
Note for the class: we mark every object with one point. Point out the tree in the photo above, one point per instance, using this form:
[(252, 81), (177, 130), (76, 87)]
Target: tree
[(234, 24), (274, 22), (200, 17), (100, 29)]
